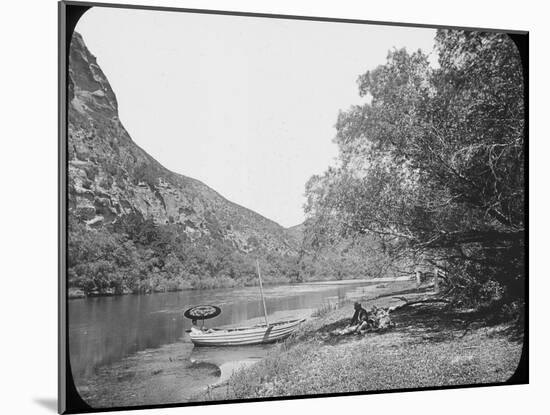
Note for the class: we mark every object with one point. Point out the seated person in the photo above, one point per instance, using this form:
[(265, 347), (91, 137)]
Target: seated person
[(202, 329), (358, 322), (360, 317)]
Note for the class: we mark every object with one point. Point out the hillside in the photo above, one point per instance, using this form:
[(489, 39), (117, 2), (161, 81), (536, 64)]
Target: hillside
[(109, 175), (117, 190), (296, 233)]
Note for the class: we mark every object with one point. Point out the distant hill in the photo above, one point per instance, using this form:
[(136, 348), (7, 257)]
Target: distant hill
[(296, 233)]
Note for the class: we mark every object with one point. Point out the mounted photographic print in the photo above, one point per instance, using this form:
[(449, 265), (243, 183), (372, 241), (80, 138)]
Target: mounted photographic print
[(264, 207)]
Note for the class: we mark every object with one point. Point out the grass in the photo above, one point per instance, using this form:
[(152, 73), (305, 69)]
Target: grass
[(430, 346), (326, 308)]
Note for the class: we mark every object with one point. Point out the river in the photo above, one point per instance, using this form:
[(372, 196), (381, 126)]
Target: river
[(105, 331)]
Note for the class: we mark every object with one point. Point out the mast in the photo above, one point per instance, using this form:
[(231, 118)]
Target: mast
[(262, 293)]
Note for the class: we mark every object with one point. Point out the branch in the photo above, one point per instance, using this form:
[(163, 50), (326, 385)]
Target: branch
[(450, 239), (423, 301)]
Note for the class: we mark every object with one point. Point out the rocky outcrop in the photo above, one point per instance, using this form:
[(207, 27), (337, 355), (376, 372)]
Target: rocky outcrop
[(110, 176)]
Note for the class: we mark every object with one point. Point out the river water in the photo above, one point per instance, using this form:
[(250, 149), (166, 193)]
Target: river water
[(106, 330)]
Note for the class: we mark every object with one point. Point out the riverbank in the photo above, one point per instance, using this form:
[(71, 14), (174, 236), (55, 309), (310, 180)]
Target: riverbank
[(429, 346), (76, 293), (134, 349)]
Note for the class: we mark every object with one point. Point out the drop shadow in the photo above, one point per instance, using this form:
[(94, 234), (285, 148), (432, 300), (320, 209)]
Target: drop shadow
[(48, 403)]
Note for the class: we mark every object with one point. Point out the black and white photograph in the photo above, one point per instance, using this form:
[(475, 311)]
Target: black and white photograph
[(271, 207)]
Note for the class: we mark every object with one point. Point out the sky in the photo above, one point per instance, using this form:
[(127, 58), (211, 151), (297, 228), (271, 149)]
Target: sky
[(246, 105)]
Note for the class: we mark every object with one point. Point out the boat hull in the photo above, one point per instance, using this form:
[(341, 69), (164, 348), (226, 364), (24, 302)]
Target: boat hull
[(245, 336)]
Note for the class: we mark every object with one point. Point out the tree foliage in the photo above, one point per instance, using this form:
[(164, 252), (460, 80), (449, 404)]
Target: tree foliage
[(140, 256), (432, 165)]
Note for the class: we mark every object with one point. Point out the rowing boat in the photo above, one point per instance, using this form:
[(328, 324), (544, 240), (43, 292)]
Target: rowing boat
[(241, 336)]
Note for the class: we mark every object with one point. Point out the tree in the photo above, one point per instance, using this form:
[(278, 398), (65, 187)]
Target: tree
[(433, 163)]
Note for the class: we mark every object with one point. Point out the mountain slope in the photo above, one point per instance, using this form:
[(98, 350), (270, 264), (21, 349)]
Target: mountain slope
[(115, 189), (109, 175)]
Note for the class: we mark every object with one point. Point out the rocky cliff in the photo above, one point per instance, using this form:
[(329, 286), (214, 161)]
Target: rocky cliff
[(110, 176)]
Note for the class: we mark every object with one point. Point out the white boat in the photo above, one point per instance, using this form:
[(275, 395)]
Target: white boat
[(241, 336)]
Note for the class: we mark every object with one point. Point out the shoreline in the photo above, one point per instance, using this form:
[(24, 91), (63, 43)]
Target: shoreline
[(176, 372), (428, 347), (77, 294)]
